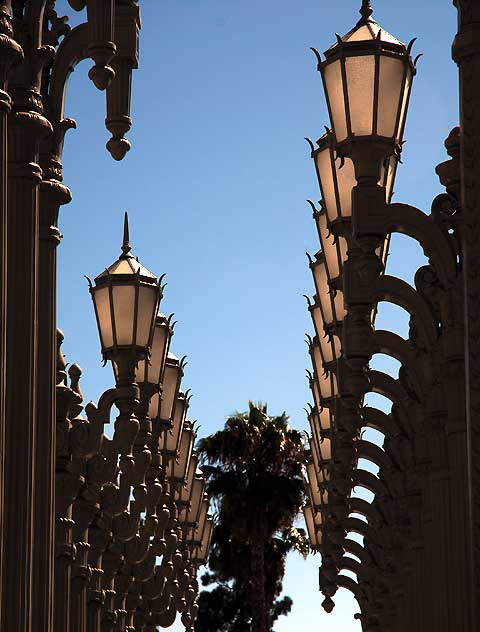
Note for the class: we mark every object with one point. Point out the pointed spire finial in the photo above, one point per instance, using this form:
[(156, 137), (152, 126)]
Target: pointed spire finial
[(366, 10), (126, 246)]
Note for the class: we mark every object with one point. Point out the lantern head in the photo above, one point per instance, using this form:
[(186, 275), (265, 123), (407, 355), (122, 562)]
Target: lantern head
[(367, 76), (126, 297)]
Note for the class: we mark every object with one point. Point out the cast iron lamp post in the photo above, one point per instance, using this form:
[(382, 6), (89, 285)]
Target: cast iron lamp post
[(417, 567), (38, 52), (127, 507), (83, 516)]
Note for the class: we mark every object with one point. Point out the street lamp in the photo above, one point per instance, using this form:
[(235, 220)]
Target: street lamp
[(367, 76), (126, 298)]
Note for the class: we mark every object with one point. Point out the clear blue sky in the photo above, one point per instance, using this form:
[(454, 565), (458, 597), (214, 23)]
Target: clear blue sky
[(215, 185)]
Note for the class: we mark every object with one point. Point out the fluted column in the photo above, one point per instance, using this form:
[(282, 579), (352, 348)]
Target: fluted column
[(10, 52), (24, 578), (67, 484), (52, 194), (466, 52)]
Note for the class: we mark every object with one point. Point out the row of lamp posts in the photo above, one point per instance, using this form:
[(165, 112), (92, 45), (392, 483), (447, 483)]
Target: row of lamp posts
[(417, 563), (95, 533), (132, 512), (367, 77)]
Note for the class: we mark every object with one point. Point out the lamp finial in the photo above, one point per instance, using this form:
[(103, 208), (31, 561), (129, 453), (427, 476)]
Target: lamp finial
[(126, 246), (366, 9)]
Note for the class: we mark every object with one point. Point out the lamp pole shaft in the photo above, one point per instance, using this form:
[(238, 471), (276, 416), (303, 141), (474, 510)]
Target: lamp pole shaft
[(5, 105), (22, 229), (466, 53), (52, 194), (4, 109), (28, 501), (8, 50)]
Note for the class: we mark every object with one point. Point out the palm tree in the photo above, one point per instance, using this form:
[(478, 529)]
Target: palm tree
[(254, 470)]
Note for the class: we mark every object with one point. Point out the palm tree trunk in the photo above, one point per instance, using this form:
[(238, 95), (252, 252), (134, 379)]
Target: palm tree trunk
[(258, 600)]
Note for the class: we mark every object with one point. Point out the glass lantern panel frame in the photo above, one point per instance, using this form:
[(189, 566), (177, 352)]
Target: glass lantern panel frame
[(342, 53), (119, 329)]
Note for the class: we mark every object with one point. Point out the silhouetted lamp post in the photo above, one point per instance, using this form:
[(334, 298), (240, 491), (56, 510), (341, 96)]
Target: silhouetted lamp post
[(134, 498), (416, 565), (77, 553)]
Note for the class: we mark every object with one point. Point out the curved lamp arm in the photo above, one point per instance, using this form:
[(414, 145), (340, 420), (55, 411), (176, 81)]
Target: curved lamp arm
[(407, 219), (400, 293)]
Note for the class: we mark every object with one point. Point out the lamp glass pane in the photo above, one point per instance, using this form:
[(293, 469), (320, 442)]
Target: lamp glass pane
[(334, 87), (312, 481), (327, 186), (171, 441), (319, 537), (182, 516), (325, 419), (198, 531), (173, 438), (323, 290), (180, 466), (124, 310), (329, 248), (169, 390), (147, 306), (325, 384), (153, 406), (316, 394), (317, 318), (337, 346), (389, 88), (313, 486), (308, 514), (315, 449), (198, 489), (141, 371), (318, 519), (403, 111), (360, 72), (315, 443), (339, 306), (102, 304), (317, 359), (326, 346), (315, 424), (186, 490), (157, 358), (346, 181), (334, 384), (201, 554), (326, 449), (343, 248)]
